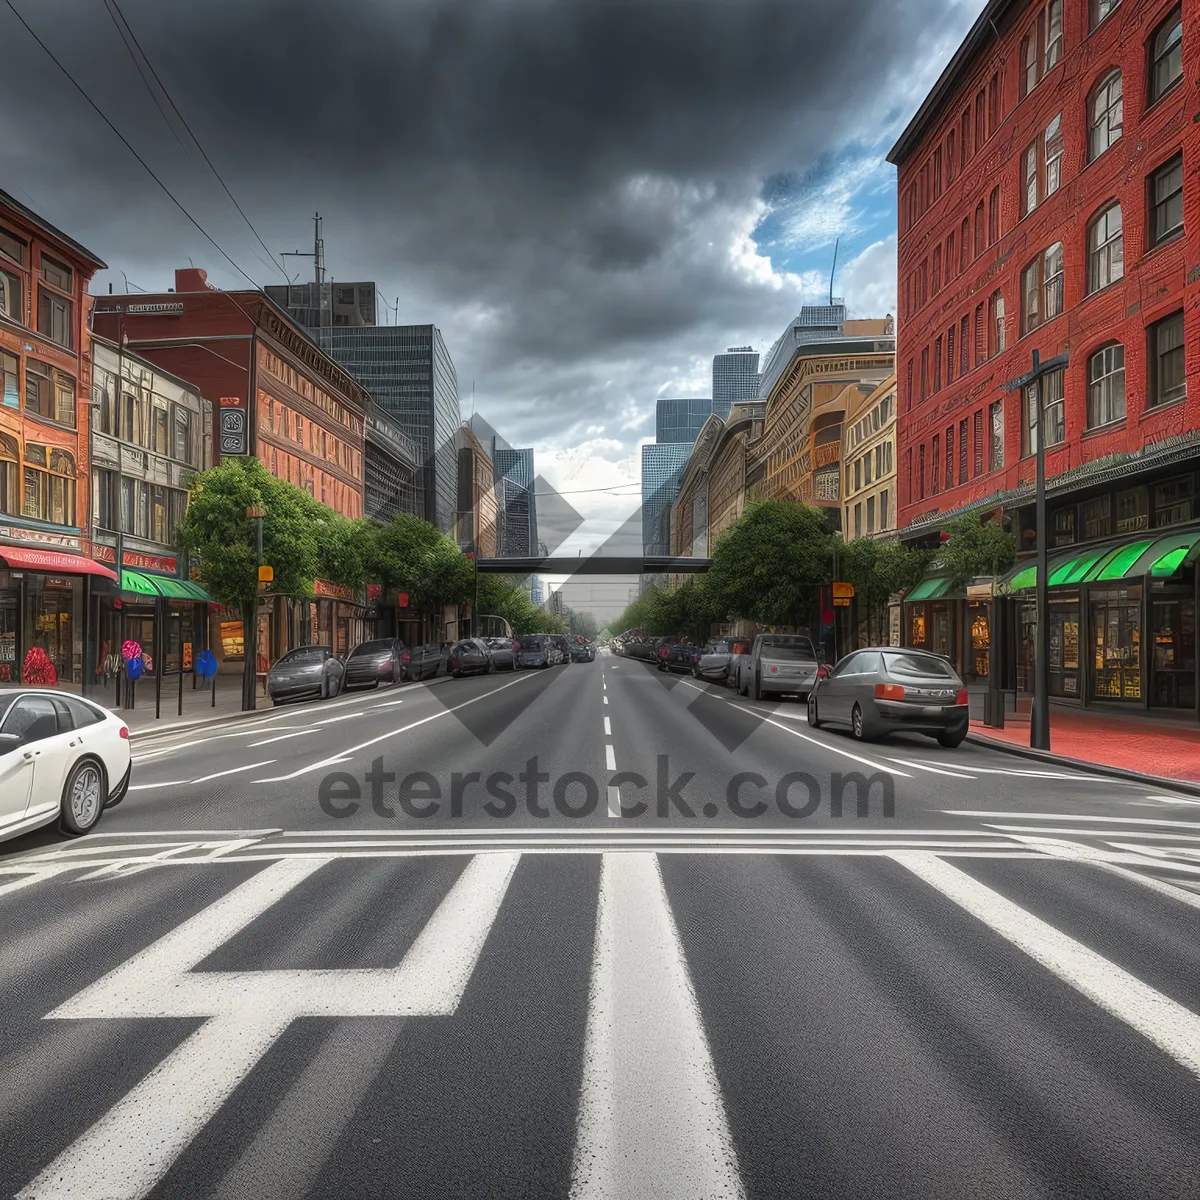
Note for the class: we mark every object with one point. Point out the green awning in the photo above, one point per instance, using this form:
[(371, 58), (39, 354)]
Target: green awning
[(1159, 557), (162, 585), (1117, 563), (932, 587)]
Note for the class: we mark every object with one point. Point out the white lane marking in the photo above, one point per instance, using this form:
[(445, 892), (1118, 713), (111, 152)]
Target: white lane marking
[(283, 737), (387, 704), (145, 787), (1163, 1021), (129, 1149), (1105, 860), (607, 727), (610, 759), (1156, 834), (1031, 774), (1174, 800), (234, 770), (343, 717), (1039, 816), (350, 751), (35, 875), (605, 699), (614, 801), (651, 1116), (867, 762), (921, 766)]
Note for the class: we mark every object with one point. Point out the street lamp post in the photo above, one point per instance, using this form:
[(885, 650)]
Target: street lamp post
[(1039, 726)]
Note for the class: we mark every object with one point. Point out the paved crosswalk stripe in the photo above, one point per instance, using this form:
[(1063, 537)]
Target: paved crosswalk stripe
[(1168, 1024), (247, 1011), (651, 1116)]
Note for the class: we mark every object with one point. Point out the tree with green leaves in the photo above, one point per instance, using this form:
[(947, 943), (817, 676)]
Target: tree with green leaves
[(217, 529), (880, 568), (976, 547), (769, 565), (410, 555)]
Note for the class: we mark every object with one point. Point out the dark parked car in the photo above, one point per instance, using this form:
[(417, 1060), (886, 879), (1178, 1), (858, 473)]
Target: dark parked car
[(504, 657), (661, 647), (305, 671), (880, 691), (713, 660), (536, 650), (638, 645), (423, 662), (564, 646), (471, 656), (679, 659), (373, 663), (582, 650)]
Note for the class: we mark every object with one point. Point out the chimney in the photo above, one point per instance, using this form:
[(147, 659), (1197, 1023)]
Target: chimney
[(192, 279)]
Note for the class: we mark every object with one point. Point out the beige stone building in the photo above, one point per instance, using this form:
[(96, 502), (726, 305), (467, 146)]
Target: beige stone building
[(869, 462)]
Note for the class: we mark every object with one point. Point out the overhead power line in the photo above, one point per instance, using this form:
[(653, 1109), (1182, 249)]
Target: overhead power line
[(125, 142), (124, 28)]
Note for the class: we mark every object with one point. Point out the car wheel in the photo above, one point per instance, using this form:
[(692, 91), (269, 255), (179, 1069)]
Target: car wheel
[(858, 725), (456, 674), (813, 720), (83, 796), (951, 739)]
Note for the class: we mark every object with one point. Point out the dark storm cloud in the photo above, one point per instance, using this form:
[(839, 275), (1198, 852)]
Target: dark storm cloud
[(555, 182)]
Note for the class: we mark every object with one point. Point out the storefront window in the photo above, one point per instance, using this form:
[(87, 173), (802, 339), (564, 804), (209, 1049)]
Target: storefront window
[(1173, 622), (1132, 511), (55, 624), (942, 642), (1173, 501), (1097, 518), (916, 629), (139, 627), (10, 615), (981, 640), (1116, 623), (1064, 645), (10, 475), (49, 484)]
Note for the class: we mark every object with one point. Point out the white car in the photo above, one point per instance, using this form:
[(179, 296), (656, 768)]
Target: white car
[(61, 758)]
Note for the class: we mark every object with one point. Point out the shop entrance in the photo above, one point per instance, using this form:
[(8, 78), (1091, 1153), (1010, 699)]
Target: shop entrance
[(1116, 616), (1173, 623)]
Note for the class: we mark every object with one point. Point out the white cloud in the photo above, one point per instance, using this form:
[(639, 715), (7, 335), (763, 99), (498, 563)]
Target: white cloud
[(868, 280)]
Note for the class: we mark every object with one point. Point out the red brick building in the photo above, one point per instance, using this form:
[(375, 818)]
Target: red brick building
[(45, 385), (1044, 204), (277, 396)]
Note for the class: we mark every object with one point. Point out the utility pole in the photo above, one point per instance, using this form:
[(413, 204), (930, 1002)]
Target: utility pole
[(1039, 726)]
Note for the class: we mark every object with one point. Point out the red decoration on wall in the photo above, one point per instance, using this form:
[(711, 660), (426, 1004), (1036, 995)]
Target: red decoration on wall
[(38, 669)]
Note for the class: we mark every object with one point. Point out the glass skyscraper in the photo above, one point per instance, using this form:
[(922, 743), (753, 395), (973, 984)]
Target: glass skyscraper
[(734, 378), (662, 466), (680, 420), (517, 501)]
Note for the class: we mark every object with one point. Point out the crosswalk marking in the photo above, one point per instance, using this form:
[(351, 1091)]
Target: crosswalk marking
[(1168, 1024), (246, 1012), (651, 1116)]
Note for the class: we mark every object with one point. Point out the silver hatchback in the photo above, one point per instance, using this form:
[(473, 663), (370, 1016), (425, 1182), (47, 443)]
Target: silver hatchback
[(778, 664)]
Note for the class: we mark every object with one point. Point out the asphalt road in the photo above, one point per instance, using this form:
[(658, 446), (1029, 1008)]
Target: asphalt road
[(370, 947)]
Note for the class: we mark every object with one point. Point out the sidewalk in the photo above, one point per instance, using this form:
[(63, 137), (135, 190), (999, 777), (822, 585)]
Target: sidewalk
[(1147, 746), (198, 707)]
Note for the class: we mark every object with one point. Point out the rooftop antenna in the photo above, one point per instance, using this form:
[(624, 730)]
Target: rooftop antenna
[(833, 268), (472, 399)]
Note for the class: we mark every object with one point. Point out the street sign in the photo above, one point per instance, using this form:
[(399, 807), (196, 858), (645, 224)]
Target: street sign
[(842, 591), (266, 574)]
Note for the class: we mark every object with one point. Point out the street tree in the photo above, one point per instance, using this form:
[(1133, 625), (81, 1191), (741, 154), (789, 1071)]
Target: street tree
[(974, 547), (880, 568)]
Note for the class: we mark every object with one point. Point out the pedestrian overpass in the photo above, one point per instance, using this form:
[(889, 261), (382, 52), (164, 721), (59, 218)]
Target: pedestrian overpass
[(596, 564)]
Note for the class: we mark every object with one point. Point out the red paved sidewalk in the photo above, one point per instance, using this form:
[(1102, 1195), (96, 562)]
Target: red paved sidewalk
[(1134, 743)]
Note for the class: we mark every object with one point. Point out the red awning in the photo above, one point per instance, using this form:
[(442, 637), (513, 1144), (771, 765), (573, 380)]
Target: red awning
[(53, 560)]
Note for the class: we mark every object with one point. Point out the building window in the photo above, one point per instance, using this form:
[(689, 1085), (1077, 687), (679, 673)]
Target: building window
[(909, 389), (1104, 115), (995, 323), (937, 365), (980, 336), (858, 520), (950, 157), (10, 396), (934, 464), (1133, 510), (1166, 56), (964, 245), (1052, 281), (159, 427), (1054, 34), (937, 269), (49, 394), (950, 248), (937, 173), (49, 485), (54, 317), (11, 305), (1041, 166), (1106, 386), (870, 514), (1052, 142), (1051, 386), (104, 498), (1106, 249), (950, 457), (962, 451), (1100, 9), (857, 474), (950, 364), (883, 509), (12, 247), (980, 120), (993, 104), (994, 216), (996, 449), (922, 283), (978, 443), (56, 274), (1167, 381), (1166, 201), (980, 230), (1031, 291), (1096, 518), (921, 471), (964, 346), (181, 447), (1029, 178), (10, 475), (924, 372), (1029, 65), (1173, 501)]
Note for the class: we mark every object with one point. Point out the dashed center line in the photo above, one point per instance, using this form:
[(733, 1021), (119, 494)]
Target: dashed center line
[(610, 759), (607, 727)]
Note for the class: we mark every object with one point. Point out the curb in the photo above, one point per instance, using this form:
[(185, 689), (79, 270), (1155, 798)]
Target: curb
[(151, 731), (1046, 756)]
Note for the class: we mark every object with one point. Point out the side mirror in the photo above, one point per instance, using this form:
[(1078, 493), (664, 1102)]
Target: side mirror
[(9, 742), (822, 672)]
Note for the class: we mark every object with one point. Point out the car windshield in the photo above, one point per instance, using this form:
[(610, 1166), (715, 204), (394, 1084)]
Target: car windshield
[(717, 648), (913, 664), (305, 657), (364, 649), (532, 642), (787, 649)]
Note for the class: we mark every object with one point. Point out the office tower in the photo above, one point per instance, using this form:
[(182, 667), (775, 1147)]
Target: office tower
[(734, 378), (680, 420)]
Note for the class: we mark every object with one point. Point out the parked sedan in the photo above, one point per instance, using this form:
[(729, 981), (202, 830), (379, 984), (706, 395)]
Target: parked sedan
[(305, 671), (423, 662), (879, 691), (372, 663), (471, 656), (62, 759), (715, 659), (582, 650), (778, 664), (504, 656), (537, 650), (678, 660)]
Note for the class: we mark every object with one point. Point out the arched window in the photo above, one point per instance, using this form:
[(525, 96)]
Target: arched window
[(1104, 114), (10, 474), (964, 246), (1106, 248), (1106, 386), (980, 230)]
